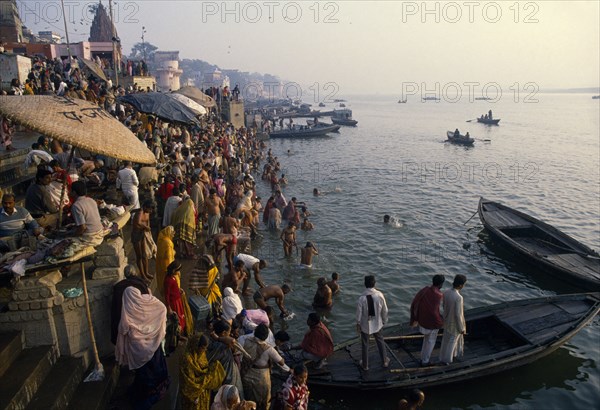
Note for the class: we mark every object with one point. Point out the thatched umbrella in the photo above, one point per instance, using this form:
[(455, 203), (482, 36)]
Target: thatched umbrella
[(78, 123)]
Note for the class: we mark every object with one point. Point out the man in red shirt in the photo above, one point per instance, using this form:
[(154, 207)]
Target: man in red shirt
[(317, 344), (425, 313)]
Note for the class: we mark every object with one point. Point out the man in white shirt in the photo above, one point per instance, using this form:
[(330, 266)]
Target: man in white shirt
[(251, 264), (128, 181), (454, 321), (371, 315)]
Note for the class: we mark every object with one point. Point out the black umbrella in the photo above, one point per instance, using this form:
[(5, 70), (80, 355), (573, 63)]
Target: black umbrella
[(161, 105)]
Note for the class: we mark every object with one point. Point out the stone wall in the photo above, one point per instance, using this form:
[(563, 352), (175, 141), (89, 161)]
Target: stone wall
[(46, 317)]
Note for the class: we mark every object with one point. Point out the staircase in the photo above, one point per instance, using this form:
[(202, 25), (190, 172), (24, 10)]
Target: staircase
[(37, 378)]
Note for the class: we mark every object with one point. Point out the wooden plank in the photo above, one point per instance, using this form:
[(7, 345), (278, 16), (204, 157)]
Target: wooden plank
[(574, 307), (527, 313), (546, 335), (537, 324)]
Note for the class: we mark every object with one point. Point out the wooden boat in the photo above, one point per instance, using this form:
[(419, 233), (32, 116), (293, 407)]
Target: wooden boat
[(461, 139), (401, 101), (431, 99), (311, 123), (483, 99), (304, 131), (542, 244), (499, 337), (488, 121), (343, 117), (596, 97), (321, 104)]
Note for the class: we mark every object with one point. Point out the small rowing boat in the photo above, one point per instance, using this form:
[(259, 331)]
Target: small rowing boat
[(487, 121), (460, 139), (542, 245)]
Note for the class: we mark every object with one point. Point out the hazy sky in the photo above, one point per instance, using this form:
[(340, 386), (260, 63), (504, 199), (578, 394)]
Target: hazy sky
[(364, 46)]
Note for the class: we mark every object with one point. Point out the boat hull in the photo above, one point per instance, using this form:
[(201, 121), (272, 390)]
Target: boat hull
[(307, 132), (348, 123), (488, 122), (499, 338), (542, 245)]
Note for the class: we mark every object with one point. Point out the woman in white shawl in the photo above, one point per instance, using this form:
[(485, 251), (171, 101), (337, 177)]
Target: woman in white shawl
[(232, 304), (228, 398)]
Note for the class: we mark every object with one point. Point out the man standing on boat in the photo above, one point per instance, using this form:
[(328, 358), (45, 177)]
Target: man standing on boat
[(425, 313), (371, 315), (454, 321)]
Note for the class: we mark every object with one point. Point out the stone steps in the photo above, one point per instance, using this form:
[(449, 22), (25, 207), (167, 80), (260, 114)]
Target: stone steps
[(57, 390), (11, 345), (25, 376), (97, 395)]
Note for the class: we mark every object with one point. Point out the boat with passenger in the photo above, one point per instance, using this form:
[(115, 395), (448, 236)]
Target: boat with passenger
[(498, 338), (456, 138)]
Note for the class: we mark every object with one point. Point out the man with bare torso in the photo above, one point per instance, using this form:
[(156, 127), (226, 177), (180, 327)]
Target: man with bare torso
[(225, 242), (235, 278), (213, 206), (272, 291), (323, 299), (141, 225), (307, 254), (229, 223), (288, 237)]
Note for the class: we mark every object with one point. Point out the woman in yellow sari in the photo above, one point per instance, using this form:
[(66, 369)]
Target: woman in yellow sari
[(184, 222), (165, 254), (197, 376)]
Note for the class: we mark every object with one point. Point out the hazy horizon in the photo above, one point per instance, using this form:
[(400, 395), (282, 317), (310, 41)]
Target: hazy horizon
[(360, 47)]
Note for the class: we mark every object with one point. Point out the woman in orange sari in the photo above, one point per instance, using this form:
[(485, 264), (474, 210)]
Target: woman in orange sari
[(165, 254)]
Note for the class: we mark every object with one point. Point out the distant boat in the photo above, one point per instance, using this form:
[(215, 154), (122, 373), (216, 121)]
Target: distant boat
[(542, 245), (488, 121), (431, 99), (401, 101), (342, 105), (321, 105), (299, 131), (483, 99), (596, 97), (338, 100), (311, 123), (460, 140), (343, 117)]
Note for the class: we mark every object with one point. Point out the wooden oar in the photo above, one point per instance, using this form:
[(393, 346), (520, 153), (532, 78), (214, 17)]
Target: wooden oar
[(474, 119), (394, 355), (471, 217), (395, 338)]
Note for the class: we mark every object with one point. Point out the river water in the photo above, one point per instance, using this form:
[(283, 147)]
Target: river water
[(543, 159)]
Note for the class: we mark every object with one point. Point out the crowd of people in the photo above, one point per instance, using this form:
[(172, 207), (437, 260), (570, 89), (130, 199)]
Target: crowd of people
[(202, 198)]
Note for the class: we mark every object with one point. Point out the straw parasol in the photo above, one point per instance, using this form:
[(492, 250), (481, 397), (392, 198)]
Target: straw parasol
[(76, 122), (94, 68), (197, 95), (188, 102)]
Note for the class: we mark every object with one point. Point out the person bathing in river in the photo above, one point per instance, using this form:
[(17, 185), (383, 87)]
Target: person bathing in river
[(272, 291), (307, 254), (323, 296), (288, 237)]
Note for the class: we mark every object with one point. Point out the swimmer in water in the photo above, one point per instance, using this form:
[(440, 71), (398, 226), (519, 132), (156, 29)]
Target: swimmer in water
[(386, 219), (316, 192)]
